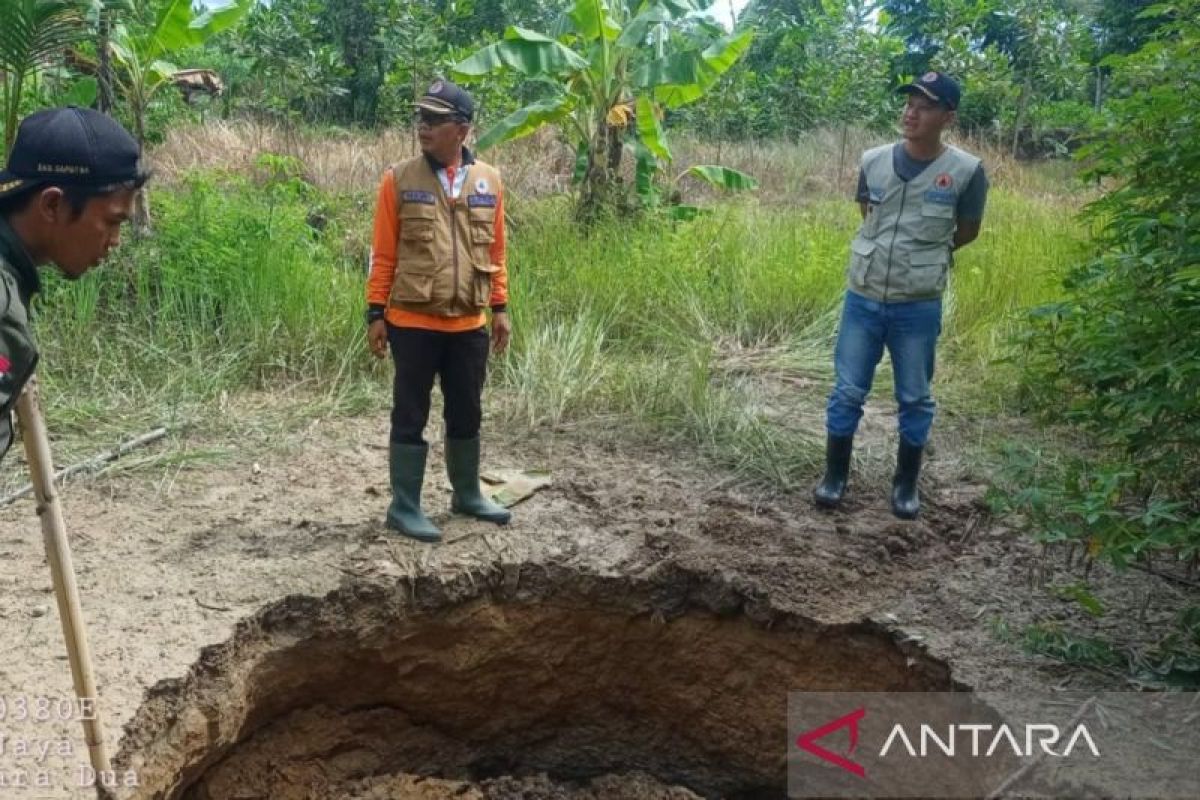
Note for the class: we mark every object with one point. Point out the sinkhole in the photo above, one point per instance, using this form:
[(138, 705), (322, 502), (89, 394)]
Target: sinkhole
[(528, 681)]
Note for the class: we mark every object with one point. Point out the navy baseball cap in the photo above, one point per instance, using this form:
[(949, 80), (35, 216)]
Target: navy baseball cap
[(71, 147), (444, 97), (937, 86)]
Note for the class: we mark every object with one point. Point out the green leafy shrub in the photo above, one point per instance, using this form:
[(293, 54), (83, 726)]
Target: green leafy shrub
[(1120, 357)]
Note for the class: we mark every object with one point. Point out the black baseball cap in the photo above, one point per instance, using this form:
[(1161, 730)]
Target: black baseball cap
[(938, 87), (444, 97), (71, 147)]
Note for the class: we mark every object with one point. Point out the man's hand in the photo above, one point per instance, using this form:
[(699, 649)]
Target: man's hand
[(966, 233), (377, 338), (501, 331)]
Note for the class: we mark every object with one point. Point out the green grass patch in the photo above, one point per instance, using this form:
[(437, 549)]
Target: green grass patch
[(684, 326), (233, 291)]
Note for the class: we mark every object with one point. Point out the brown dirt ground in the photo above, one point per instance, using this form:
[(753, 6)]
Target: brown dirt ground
[(169, 560)]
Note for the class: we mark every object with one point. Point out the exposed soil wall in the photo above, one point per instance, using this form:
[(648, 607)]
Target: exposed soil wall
[(544, 672)]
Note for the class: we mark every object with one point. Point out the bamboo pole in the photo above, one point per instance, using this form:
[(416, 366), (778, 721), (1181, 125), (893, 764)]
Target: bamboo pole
[(62, 572)]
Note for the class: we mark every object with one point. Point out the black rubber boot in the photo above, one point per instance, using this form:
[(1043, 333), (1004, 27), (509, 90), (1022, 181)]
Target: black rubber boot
[(462, 466), (906, 503), (406, 463), (832, 488)]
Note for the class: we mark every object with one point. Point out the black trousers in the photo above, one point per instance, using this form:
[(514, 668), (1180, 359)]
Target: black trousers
[(459, 360)]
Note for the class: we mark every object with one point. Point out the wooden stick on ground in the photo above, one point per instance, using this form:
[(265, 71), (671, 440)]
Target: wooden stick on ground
[(62, 571), (93, 462), (1028, 766)]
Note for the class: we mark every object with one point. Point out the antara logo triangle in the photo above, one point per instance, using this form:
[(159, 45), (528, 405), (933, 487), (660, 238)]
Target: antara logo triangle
[(808, 741)]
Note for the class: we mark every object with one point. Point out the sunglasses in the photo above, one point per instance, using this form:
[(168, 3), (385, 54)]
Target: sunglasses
[(432, 120)]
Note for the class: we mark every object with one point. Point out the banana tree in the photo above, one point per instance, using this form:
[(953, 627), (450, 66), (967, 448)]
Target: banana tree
[(611, 72), (142, 68), (101, 15), (33, 33)]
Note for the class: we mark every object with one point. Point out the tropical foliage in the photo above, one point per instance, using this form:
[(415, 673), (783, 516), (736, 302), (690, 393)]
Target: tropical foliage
[(1119, 357), (611, 72), (33, 33)]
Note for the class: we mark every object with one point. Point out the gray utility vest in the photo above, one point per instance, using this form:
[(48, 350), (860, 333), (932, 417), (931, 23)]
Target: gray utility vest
[(18, 353), (902, 250)]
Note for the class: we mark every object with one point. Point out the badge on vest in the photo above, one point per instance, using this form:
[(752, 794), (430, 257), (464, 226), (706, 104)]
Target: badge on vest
[(874, 196), (941, 197), (425, 198), (481, 201)]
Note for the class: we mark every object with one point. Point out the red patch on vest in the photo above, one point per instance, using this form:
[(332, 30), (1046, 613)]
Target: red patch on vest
[(943, 181), (5, 366)]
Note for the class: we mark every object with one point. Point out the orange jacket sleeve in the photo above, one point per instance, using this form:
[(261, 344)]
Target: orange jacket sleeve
[(500, 256), (383, 244)]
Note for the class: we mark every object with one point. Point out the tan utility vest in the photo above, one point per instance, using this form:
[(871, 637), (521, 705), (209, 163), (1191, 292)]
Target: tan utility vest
[(443, 258), (902, 251)]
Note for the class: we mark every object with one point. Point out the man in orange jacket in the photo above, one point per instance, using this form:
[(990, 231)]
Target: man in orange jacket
[(437, 266)]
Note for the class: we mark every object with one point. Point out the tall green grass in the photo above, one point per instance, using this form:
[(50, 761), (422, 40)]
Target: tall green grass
[(719, 332), (1025, 246), (233, 291), (716, 333), (750, 273)]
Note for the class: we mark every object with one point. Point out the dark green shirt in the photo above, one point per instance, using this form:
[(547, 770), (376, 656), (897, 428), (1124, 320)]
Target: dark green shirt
[(18, 355)]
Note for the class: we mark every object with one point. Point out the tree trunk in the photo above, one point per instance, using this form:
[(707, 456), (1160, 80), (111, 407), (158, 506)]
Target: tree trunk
[(416, 92), (141, 201), (616, 148), (842, 157), (14, 85), (599, 193), (104, 75), (1019, 122)]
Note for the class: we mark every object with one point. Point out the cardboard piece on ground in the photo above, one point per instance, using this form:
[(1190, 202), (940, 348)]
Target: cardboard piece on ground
[(509, 487)]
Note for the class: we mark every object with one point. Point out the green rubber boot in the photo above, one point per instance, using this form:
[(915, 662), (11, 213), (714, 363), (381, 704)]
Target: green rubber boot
[(462, 465), (406, 463)]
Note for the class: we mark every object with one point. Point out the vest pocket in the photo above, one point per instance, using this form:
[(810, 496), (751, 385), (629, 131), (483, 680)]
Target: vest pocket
[(937, 221), (861, 251), (415, 263), (927, 270), (483, 225), (482, 286), (412, 287), (416, 222)]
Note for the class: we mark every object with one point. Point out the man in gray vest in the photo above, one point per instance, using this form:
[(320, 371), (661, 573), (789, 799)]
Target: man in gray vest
[(920, 200)]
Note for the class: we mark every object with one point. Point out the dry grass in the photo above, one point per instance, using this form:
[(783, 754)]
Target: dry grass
[(341, 161), (335, 161), (818, 165)]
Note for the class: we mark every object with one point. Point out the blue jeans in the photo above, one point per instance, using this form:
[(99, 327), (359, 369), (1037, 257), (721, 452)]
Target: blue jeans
[(910, 332)]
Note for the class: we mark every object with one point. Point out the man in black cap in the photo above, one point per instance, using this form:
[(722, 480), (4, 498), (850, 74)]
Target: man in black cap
[(437, 266), (920, 200), (68, 186)]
